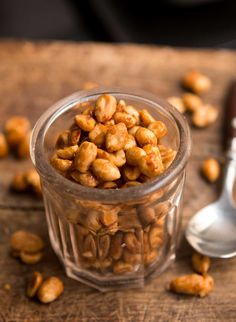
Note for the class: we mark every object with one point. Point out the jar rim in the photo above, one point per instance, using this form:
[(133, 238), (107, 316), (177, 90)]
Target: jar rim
[(71, 188)]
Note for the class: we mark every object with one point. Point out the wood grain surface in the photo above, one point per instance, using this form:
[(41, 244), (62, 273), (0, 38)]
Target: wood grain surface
[(35, 75)]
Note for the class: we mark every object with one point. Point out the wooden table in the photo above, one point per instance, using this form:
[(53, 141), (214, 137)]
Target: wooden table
[(35, 75)]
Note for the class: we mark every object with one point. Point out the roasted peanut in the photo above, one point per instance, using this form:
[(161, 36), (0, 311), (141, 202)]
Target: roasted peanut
[(85, 122), (74, 136), (158, 128), (146, 118), (109, 217), (105, 108), (89, 247), (31, 258), (117, 158), (196, 82), (200, 263), (191, 101), (156, 237), (204, 115), (63, 139), (26, 242), (128, 119), (130, 142), (16, 128), (85, 156), (60, 164), (177, 103), (192, 284), (145, 136), (98, 134), (120, 106), (91, 220), (67, 153), (116, 248), (34, 283), (211, 169), (151, 165), (50, 289), (132, 243), (147, 215), (121, 267), (4, 149), (134, 155), (131, 184), (108, 185), (85, 179), (105, 170), (150, 257), (130, 173), (116, 137), (132, 259), (103, 246), (133, 130), (132, 111)]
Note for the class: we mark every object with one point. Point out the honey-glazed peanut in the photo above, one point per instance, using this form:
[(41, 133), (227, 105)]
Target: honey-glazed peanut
[(134, 155), (130, 173), (145, 136), (150, 257), (105, 170), (196, 82), (63, 139), (156, 237), (205, 115), (108, 185), (129, 109), (85, 179), (200, 263), (74, 136), (158, 128), (32, 180), (60, 164), (85, 156), (167, 155), (121, 267), (147, 215), (25, 241), (161, 209), (132, 259), (177, 103), (103, 246), (146, 246), (211, 169), (88, 108), (133, 130), (120, 106), (34, 283), (192, 101), (192, 284), (146, 118), (91, 220), (67, 153), (107, 262), (4, 148), (128, 119), (98, 134), (116, 249), (117, 158), (85, 122), (31, 258), (50, 289), (131, 184), (89, 247), (132, 243), (116, 137), (150, 149), (128, 221), (151, 165), (130, 143), (105, 108), (16, 128)]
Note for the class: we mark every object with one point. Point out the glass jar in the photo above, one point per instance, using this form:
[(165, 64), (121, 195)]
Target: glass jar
[(140, 240)]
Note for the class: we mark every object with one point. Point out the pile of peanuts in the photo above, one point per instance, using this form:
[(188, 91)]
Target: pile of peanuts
[(112, 145), (202, 114)]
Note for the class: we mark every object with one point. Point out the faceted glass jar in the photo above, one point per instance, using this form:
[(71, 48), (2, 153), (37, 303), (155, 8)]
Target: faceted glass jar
[(140, 235)]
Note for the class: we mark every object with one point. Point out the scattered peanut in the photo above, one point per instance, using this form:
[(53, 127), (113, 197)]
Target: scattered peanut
[(50, 289), (4, 149), (177, 102), (31, 258), (211, 169), (200, 263), (16, 128), (34, 283), (204, 115), (196, 82), (191, 102), (25, 241), (192, 284)]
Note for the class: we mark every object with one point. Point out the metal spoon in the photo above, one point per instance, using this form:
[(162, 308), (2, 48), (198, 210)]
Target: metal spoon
[(212, 231)]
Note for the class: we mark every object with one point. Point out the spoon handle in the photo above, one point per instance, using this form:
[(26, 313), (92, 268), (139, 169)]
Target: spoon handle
[(230, 119)]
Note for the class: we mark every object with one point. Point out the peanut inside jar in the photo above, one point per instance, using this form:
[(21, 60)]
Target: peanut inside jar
[(113, 145)]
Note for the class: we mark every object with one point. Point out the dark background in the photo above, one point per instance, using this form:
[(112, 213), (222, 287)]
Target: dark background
[(195, 23)]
